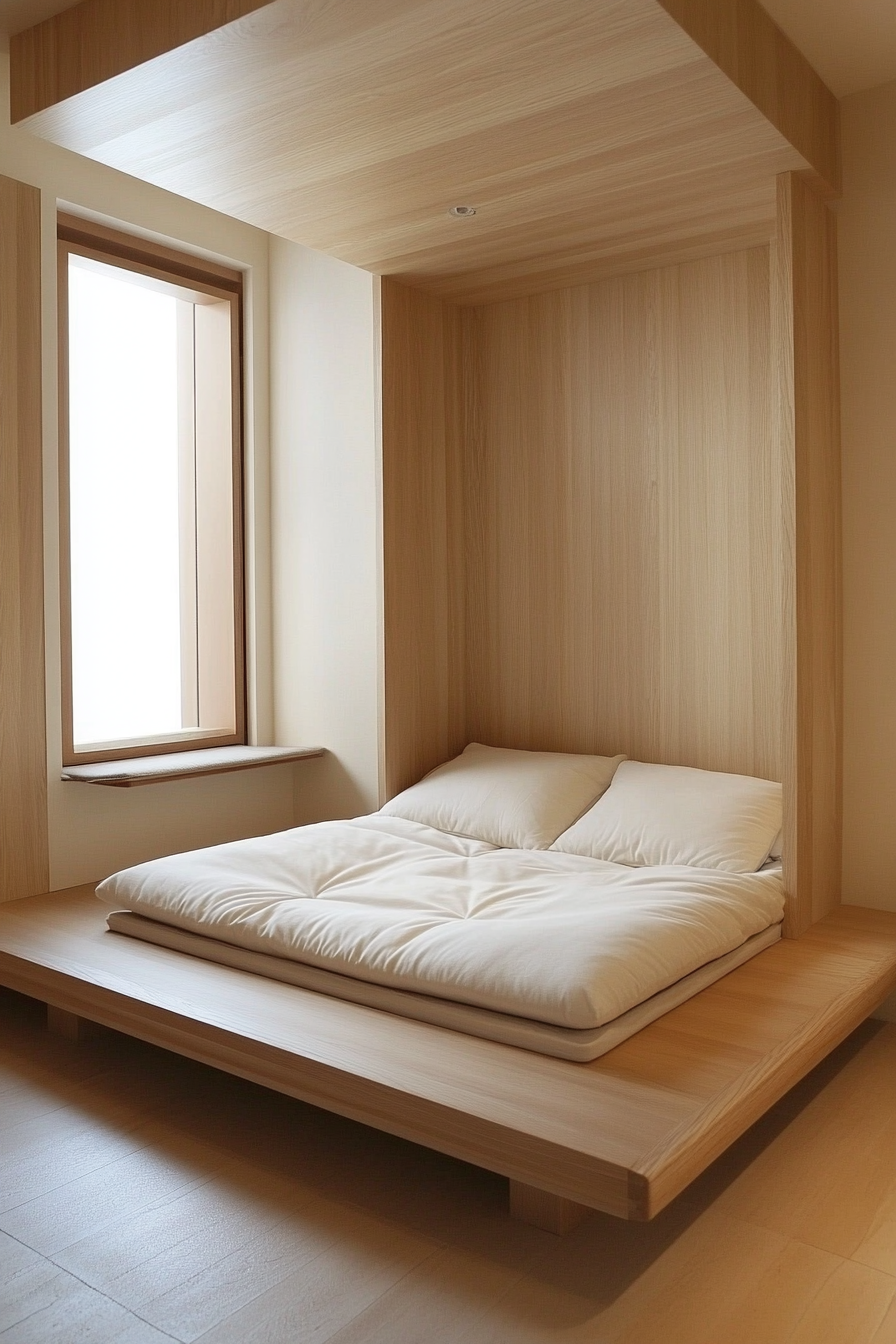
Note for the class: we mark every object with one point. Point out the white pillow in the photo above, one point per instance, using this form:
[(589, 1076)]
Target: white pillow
[(514, 799), (671, 814)]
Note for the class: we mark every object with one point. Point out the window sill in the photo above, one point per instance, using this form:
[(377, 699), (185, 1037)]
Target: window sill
[(124, 774)]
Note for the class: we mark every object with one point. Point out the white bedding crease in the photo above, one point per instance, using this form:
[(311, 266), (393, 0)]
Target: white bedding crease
[(558, 938)]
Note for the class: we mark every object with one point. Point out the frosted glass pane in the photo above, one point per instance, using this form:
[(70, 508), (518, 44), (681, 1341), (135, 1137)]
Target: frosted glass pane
[(123, 466)]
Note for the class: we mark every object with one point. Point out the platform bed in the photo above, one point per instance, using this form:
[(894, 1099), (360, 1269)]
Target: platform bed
[(571, 556), (623, 1134), (553, 901)]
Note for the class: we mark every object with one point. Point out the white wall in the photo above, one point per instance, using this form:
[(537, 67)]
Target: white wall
[(868, 354), (95, 830), (325, 525)]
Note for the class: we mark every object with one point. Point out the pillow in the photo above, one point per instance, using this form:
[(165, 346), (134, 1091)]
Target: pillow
[(514, 799), (671, 814)]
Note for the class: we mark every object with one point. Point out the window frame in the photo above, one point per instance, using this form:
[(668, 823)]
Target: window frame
[(112, 247)]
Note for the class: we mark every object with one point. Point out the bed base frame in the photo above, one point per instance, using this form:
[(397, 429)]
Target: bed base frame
[(623, 1134)]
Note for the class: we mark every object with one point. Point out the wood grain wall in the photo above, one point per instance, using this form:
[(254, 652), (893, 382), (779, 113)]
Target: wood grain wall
[(23, 754), (623, 519), (805, 323), (422, 534)]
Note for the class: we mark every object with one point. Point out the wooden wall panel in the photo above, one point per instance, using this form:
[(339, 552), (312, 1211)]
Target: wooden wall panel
[(622, 525), (23, 755), (805, 341), (422, 535)]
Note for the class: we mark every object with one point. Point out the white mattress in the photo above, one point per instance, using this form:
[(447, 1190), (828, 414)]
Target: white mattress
[(562, 1042), (560, 939)]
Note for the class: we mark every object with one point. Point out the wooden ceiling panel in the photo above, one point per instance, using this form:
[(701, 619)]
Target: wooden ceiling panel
[(343, 196), (431, 71), (667, 233), (585, 133)]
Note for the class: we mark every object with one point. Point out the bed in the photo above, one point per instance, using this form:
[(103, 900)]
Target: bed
[(554, 902)]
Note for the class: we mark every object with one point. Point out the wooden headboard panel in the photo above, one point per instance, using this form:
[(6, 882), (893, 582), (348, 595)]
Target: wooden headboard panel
[(623, 528)]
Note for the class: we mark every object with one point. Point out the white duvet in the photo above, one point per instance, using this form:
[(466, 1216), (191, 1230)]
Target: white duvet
[(558, 938)]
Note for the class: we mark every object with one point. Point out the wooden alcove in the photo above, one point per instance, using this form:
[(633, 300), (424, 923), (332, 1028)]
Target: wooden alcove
[(611, 522), (610, 462)]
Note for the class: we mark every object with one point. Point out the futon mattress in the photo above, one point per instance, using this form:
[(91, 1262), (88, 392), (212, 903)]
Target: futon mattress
[(556, 938)]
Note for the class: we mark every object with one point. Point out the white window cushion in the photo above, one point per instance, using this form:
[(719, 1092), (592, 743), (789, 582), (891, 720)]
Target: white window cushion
[(671, 814), (513, 799)]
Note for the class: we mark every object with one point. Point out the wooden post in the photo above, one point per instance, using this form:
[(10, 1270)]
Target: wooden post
[(541, 1209), (74, 1028)]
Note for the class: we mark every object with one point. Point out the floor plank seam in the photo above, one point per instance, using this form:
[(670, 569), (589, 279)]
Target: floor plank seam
[(64, 1273), (373, 1301), (92, 1288), (23, 1320)]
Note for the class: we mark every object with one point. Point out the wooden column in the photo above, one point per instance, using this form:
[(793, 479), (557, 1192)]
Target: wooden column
[(805, 346), (23, 756), (422, 534)]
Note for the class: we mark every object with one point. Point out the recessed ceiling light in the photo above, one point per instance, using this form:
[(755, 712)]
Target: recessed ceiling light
[(462, 211)]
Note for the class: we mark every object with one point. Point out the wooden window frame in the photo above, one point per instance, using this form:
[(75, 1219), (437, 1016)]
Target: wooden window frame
[(83, 238)]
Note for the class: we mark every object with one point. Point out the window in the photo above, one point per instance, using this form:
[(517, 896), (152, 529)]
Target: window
[(151, 502)]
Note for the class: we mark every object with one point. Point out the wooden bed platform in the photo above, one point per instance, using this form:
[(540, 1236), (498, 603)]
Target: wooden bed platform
[(624, 1134)]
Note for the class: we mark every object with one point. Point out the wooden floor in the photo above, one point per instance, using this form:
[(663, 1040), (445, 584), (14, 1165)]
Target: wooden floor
[(624, 1134), (145, 1198)]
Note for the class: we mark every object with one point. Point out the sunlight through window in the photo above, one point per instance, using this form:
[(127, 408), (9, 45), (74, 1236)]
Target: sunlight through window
[(124, 507), (150, 482)]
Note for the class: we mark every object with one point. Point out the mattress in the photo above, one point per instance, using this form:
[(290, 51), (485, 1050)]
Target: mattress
[(538, 937), (561, 1042)]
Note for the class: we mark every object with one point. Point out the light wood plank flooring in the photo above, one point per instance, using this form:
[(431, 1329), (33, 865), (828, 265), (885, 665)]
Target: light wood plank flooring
[(145, 1198)]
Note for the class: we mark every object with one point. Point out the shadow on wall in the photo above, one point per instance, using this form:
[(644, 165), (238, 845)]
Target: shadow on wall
[(325, 790)]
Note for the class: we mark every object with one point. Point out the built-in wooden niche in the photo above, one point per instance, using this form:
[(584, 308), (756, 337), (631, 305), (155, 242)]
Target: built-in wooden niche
[(611, 524)]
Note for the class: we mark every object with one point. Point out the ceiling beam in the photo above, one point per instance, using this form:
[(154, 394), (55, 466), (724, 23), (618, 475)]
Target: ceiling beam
[(591, 137), (99, 39), (761, 60)]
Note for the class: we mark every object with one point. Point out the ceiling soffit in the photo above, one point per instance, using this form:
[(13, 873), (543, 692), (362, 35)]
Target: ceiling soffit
[(591, 137)]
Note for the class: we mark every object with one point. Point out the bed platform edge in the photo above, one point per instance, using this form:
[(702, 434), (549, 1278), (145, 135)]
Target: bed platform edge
[(623, 1134)]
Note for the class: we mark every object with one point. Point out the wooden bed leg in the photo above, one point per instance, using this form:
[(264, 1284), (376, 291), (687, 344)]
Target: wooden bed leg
[(551, 1212), (73, 1028)]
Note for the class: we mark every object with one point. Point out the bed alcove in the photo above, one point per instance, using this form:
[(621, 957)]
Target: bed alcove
[(610, 522)]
